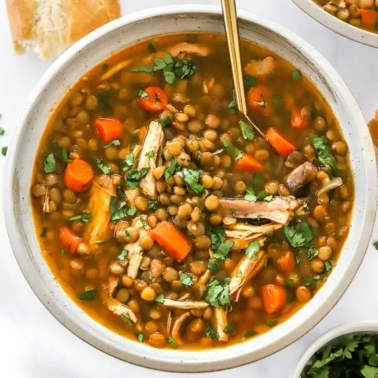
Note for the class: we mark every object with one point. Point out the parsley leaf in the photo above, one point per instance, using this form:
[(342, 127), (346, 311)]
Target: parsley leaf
[(4, 150), (113, 143), (252, 250), (159, 298), (298, 235), (49, 164), (186, 279), (85, 217), (128, 162), (231, 106), (88, 295), (152, 205), (172, 342), (140, 337), (150, 154), (65, 157), (324, 152), (104, 169), (250, 333), (218, 294), (165, 121), (123, 255), (213, 266), (125, 319), (233, 151), (223, 250), (296, 75), (143, 94), (312, 252), (249, 82), (376, 244), (246, 130), (211, 332), (191, 178), (103, 101), (229, 328), (171, 169)]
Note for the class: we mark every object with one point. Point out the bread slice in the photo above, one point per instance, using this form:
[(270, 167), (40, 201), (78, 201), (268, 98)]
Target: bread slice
[(50, 26)]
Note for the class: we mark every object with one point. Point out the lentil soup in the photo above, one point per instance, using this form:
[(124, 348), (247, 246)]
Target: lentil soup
[(166, 218)]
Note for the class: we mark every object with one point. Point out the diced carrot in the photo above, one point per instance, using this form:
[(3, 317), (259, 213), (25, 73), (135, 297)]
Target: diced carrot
[(287, 262), (78, 176), (171, 240), (108, 129), (258, 98), (279, 143), (274, 298), (155, 101), (248, 163), (298, 120), (68, 239), (368, 17)]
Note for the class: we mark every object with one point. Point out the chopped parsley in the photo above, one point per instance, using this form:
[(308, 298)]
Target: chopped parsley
[(229, 328), (327, 266), (246, 130), (252, 197), (152, 205), (150, 154), (65, 157), (250, 333), (85, 218), (103, 101), (120, 211), (140, 337), (252, 250), (171, 169), (2, 131), (113, 143), (289, 283), (278, 101), (211, 332), (223, 250), (312, 252), (160, 298), (191, 178), (375, 244), (143, 94), (151, 48), (123, 255), (49, 164), (231, 106), (127, 235), (144, 223), (249, 82), (172, 342), (125, 319), (298, 235), (311, 282), (133, 176), (213, 266), (324, 152), (104, 169), (271, 323), (233, 151), (186, 279), (4, 150), (218, 294), (165, 121), (128, 162), (88, 295), (296, 75)]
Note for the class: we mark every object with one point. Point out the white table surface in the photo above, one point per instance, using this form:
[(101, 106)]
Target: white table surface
[(33, 344)]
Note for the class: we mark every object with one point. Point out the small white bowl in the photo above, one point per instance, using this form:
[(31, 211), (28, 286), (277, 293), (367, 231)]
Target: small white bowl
[(96, 47), (338, 26), (360, 327)]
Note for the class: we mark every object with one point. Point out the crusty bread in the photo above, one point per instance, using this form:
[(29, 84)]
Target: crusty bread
[(50, 26)]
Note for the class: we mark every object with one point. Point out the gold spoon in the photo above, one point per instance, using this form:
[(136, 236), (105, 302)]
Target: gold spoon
[(232, 35)]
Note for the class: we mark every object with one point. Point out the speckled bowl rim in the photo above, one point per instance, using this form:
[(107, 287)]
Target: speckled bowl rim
[(16, 199), (352, 328), (338, 26)]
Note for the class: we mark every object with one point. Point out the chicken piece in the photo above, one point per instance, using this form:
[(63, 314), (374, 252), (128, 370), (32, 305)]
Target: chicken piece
[(220, 323), (245, 233), (279, 210), (153, 143), (329, 184), (203, 279), (262, 67), (189, 48), (112, 285), (300, 176), (176, 327), (244, 271), (135, 250), (97, 228), (185, 305), (121, 309)]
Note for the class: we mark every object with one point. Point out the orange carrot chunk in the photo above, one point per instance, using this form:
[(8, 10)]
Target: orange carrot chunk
[(154, 100), (108, 129), (171, 240), (298, 120), (369, 17), (258, 98), (68, 239), (78, 176), (274, 298), (248, 163), (279, 143), (287, 262)]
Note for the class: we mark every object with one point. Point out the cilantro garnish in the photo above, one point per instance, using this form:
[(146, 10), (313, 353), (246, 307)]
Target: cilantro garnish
[(211, 332), (191, 178), (171, 169), (150, 154), (140, 337), (271, 323), (159, 298), (229, 328), (312, 252), (223, 250), (262, 196), (218, 294), (213, 266), (252, 250), (2, 131), (49, 164), (65, 157), (85, 218), (103, 101), (324, 152), (123, 255), (104, 169), (296, 75), (4, 150), (311, 282), (186, 279), (231, 106), (152, 205), (128, 162), (233, 151), (172, 342), (113, 143), (143, 94), (298, 235), (246, 130), (88, 295), (125, 319), (249, 82), (165, 121), (250, 333), (376, 244)]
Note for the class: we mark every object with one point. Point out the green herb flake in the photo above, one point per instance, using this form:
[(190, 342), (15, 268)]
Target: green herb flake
[(4, 150), (328, 266), (213, 266), (191, 178), (172, 342), (314, 113), (2, 131), (250, 333), (103, 101), (299, 234), (150, 154), (296, 75), (152, 205), (127, 235), (165, 121), (311, 282), (186, 279), (151, 48), (143, 94), (125, 319), (89, 295), (246, 130), (249, 82), (324, 152), (49, 164), (218, 294), (160, 298), (171, 169), (239, 273), (289, 298), (375, 244), (233, 151), (312, 252), (252, 250), (250, 195), (278, 101), (231, 106), (85, 218), (271, 323), (144, 223), (229, 328), (128, 162), (132, 211), (43, 232), (140, 337), (113, 143), (123, 255), (104, 169), (211, 332), (65, 157), (223, 250), (289, 283)]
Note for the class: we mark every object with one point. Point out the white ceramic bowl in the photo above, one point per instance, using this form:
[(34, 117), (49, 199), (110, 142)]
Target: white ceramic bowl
[(361, 327), (338, 26), (93, 49)]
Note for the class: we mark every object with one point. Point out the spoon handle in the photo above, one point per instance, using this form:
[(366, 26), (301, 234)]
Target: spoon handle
[(232, 34)]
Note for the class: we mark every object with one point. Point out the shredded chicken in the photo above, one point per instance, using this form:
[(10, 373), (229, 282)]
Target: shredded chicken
[(261, 67), (279, 210), (189, 48), (244, 271), (112, 285), (185, 305), (220, 323), (300, 176), (328, 184), (46, 202), (121, 309), (97, 229), (153, 143), (203, 279), (176, 327)]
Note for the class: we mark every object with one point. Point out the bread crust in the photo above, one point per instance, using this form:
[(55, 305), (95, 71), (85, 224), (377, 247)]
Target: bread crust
[(83, 17)]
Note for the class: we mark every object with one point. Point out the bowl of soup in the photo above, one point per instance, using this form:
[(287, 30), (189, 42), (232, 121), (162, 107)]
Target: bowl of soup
[(354, 19), (155, 223)]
